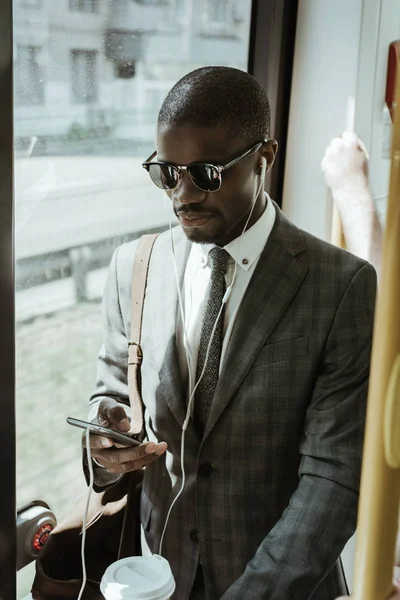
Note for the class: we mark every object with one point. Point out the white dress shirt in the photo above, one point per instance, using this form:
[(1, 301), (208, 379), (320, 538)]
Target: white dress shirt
[(244, 254)]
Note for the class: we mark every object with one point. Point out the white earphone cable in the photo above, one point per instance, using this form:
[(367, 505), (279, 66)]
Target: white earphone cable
[(84, 523)]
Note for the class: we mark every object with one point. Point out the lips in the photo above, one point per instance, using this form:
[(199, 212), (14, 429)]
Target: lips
[(193, 219)]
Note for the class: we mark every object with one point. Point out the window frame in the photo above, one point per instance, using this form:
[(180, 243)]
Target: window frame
[(7, 322), (271, 54)]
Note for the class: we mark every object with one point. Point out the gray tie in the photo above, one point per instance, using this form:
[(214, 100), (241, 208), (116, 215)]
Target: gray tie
[(215, 292)]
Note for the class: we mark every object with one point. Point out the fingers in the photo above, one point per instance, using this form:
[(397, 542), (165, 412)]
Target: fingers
[(97, 442), (114, 455), (112, 414), (336, 143), (349, 140), (125, 460), (134, 465), (114, 458), (345, 162)]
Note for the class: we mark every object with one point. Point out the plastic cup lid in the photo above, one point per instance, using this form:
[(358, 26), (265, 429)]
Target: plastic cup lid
[(138, 578)]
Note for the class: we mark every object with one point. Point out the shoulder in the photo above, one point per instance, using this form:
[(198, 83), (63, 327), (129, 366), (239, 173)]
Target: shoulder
[(325, 262), (339, 278), (331, 263), (330, 269), (124, 256)]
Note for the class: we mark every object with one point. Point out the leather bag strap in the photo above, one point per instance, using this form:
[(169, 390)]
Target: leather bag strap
[(138, 292)]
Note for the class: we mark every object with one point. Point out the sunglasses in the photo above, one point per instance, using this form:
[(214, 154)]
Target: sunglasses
[(205, 176)]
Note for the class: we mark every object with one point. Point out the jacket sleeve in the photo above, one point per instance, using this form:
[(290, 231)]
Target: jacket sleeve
[(112, 365), (305, 543)]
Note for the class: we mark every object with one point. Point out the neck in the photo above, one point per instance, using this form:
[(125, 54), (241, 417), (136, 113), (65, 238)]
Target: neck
[(241, 227)]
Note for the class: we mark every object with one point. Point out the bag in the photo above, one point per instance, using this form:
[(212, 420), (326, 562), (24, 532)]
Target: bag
[(113, 532), (113, 523)]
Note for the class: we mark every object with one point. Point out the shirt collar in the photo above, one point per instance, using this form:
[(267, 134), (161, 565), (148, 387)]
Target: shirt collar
[(247, 248)]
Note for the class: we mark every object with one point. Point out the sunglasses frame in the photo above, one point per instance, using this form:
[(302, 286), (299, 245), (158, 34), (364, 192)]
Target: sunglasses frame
[(219, 168)]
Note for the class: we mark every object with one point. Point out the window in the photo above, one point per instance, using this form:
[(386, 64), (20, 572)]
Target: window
[(218, 11), (28, 81), (80, 191), (90, 6), (220, 19), (84, 76)]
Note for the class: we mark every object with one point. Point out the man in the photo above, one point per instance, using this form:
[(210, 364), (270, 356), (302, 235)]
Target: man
[(345, 168), (272, 454)]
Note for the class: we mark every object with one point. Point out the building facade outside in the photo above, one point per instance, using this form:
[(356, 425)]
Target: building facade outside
[(91, 74)]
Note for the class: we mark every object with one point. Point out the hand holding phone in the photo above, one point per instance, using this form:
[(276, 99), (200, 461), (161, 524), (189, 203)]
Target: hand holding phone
[(112, 416)]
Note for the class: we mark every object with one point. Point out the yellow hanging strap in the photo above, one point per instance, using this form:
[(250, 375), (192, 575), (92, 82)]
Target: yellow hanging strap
[(337, 235)]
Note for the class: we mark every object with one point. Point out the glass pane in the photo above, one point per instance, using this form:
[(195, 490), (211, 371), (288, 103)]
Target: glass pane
[(90, 76)]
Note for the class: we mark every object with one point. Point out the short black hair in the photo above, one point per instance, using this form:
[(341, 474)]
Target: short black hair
[(212, 96)]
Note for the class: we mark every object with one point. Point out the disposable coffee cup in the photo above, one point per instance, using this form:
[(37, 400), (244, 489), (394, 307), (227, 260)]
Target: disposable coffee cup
[(138, 578)]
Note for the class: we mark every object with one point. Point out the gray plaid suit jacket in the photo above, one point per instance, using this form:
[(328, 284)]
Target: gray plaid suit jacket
[(272, 488)]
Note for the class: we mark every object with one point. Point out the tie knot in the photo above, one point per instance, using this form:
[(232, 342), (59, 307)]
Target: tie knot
[(219, 259)]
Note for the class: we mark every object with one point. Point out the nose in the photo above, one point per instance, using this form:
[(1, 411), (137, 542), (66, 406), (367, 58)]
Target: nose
[(186, 192)]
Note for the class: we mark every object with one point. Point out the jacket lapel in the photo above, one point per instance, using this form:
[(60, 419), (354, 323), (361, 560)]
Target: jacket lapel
[(275, 282), (164, 311)]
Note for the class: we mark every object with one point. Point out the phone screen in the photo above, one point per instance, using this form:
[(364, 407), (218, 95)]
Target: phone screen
[(116, 436)]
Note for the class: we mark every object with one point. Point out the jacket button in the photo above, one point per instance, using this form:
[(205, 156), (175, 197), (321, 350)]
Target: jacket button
[(205, 470), (194, 536)]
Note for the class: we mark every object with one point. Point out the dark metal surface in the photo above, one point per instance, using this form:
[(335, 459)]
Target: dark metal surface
[(272, 37), (7, 365)]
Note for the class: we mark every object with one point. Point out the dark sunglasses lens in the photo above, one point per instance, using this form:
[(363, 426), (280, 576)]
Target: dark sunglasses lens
[(164, 176), (205, 177)]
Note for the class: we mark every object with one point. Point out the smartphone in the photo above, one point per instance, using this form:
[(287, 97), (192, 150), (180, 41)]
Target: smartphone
[(116, 436)]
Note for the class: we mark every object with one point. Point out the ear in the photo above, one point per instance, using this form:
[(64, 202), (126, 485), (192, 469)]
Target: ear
[(269, 151)]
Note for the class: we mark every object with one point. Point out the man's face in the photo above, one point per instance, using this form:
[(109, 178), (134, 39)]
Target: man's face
[(214, 217)]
